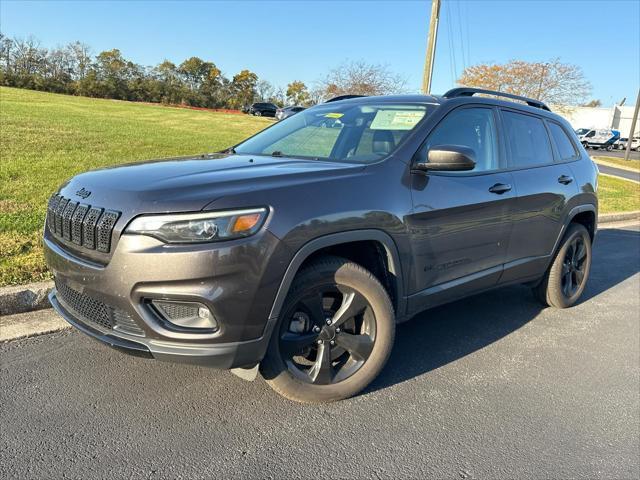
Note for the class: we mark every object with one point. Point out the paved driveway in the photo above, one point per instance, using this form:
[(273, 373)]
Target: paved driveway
[(488, 387)]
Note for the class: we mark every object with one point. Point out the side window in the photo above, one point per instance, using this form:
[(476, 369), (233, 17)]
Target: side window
[(592, 133), (564, 145), (527, 139), (469, 127)]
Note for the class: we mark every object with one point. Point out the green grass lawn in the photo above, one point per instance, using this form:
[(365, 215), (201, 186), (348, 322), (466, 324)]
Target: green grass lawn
[(47, 138), (618, 162), (617, 195)]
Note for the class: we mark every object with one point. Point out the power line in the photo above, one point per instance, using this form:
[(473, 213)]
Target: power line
[(462, 52), (452, 53)]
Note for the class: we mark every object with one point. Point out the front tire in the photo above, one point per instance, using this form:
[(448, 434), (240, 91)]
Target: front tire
[(566, 278), (334, 336)]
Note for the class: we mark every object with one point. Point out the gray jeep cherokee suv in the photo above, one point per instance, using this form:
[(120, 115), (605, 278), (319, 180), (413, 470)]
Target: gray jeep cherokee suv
[(298, 250)]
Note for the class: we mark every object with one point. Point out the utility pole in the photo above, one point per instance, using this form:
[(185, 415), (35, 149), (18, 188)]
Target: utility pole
[(431, 47), (633, 127)]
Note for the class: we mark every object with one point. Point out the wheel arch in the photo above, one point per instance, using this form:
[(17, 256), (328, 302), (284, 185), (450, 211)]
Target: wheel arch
[(585, 214), (328, 244)]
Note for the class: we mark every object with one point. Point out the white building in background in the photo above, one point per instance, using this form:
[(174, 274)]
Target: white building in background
[(616, 118)]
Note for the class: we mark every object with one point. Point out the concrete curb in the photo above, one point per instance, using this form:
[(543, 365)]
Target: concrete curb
[(24, 298), (618, 217), (33, 296), (24, 325)]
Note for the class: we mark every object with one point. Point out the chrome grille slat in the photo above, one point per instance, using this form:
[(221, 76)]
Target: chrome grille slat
[(84, 225)]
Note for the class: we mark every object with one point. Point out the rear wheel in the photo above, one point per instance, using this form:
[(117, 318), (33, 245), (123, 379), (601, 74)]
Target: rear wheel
[(258, 114), (335, 333), (567, 276)]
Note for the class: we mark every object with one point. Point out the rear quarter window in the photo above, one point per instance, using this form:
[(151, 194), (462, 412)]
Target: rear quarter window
[(564, 145), (528, 141)]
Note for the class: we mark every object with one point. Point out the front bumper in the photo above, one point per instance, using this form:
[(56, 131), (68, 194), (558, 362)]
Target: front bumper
[(229, 278), (224, 356)]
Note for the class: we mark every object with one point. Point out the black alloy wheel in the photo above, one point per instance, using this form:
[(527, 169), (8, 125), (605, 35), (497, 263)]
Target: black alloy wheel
[(334, 335), (328, 335)]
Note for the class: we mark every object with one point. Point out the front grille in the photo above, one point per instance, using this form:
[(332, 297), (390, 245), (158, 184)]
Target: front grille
[(82, 224), (93, 311)]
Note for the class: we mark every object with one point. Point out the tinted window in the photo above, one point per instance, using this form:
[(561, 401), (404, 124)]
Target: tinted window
[(565, 147), (527, 139), (469, 127)]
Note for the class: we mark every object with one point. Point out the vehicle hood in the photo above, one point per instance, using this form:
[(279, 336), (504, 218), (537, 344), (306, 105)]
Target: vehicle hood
[(189, 184)]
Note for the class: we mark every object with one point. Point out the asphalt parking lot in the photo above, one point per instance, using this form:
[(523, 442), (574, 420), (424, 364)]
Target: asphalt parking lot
[(493, 386)]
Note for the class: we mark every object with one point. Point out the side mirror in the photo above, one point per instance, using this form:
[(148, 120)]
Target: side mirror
[(447, 158)]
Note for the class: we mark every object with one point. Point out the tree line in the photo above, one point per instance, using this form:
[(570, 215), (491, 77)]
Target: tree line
[(73, 69)]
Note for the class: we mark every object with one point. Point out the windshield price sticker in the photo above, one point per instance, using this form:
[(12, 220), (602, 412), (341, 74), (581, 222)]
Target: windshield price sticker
[(396, 119)]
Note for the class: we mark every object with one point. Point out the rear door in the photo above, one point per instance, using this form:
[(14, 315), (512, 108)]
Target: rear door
[(544, 183), (461, 221)]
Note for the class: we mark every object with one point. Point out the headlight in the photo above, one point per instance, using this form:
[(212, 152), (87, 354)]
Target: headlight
[(199, 227)]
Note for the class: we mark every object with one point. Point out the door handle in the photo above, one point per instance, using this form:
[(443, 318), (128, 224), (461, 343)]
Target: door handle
[(565, 179), (500, 188)]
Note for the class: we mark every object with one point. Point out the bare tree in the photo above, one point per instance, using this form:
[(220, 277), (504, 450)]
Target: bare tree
[(81, 58), (553, 82), (28, 57), (6, 52), (264, 90), (360, 78)]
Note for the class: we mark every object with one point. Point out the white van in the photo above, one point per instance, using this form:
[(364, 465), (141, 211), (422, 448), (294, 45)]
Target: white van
[(599, 138)]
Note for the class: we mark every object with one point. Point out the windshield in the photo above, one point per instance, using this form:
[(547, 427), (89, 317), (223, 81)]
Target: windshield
[(349, 132), (582, 131)]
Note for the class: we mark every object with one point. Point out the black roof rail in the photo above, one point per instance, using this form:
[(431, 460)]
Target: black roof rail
[(469, 92), (343, 97)]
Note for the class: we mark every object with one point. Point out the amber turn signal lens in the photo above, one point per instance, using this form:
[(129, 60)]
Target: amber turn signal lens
[(245, 222)]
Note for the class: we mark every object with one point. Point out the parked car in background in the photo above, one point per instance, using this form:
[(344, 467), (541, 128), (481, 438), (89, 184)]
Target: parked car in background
[(286, 112), (263, 109), (621, 144), (601, 138)]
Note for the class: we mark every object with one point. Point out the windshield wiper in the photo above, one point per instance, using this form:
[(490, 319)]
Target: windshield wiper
[(277, 153)]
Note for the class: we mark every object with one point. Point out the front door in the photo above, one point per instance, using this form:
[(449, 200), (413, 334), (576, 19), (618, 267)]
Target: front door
[(460, 223)]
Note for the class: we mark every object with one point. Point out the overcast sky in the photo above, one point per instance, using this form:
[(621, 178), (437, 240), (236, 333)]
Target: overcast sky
[(287, 40)]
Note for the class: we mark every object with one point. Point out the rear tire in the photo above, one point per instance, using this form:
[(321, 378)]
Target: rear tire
[(566, 278), (311, 360)]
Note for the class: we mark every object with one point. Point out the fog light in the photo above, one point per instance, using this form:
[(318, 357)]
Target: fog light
[(191, 315)]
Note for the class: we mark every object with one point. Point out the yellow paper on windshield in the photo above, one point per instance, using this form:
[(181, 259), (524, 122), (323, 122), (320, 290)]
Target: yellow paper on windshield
[(396, 119), (334, 115)]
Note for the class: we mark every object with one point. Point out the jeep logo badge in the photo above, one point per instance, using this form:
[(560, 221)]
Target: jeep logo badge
[(83, 193)]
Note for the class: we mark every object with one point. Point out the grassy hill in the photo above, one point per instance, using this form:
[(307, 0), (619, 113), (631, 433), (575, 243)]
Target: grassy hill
[(46, 138)]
